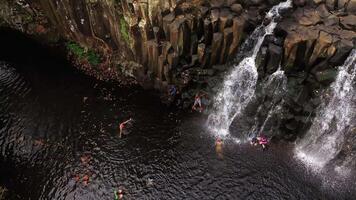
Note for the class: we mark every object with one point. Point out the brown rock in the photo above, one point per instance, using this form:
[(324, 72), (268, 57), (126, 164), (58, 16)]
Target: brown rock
[(228, 38), (179, 36), (167, 20), (299, 2), (237, 27), (332, 20), (231, 2), (330, 4), (172, 60), (318, 1), (323, 11), (351, 6), (237, 8), (216, 48), (341, 4), (159, 71), (320, 50), (349, 22), (208, 32), (225, 20), (214, 16), (153, 55), (201, 52), (310, 17)]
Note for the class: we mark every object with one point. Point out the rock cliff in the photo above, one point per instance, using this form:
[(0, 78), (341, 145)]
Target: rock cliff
[(185, 43)]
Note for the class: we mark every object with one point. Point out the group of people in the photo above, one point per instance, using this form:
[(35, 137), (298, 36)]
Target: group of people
[(259, 140)]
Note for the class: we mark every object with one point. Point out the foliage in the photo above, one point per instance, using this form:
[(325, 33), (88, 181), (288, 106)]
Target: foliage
[(80, 52), (124, 30)]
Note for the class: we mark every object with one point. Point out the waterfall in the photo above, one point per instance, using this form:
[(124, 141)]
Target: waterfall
[(331, 131), (274, 87), (239, 85)]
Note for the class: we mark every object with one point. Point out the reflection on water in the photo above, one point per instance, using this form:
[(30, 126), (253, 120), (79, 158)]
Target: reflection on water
[(59, 140)]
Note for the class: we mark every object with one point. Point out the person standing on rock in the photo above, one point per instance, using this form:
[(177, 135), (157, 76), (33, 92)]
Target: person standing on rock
[(197, 106), (122, 126)]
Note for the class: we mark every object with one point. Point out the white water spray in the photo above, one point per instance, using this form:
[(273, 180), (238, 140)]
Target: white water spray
[(239, 86), (333, 122)]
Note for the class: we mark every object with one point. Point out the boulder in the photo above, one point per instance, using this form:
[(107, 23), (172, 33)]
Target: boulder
[(348, 22), (274, 57), (323, 11), (351, 6), (321, 47), (327, 76), (237, 8), (330, 4), (309, 17)]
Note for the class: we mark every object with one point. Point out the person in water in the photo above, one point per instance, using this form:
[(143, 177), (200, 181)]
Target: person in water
[(219, 147), (254, 141), (263, 141), (118, 194), (123, 125)]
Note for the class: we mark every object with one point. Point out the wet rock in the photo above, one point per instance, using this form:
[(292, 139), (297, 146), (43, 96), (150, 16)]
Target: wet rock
[(327, 76), (274, 57)]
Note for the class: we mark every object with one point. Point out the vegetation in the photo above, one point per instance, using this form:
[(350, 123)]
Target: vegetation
[(80, 52), (124, 30)]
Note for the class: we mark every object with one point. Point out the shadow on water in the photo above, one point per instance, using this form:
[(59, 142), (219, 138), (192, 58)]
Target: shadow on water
[(58, 140)]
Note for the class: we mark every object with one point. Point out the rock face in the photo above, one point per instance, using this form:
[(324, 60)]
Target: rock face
[(110, 39)]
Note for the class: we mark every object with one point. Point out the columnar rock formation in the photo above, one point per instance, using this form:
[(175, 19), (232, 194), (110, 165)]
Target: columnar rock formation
[(147, 39)]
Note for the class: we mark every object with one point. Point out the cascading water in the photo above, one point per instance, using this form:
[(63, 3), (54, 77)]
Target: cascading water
[(331, 131), (239, 86)]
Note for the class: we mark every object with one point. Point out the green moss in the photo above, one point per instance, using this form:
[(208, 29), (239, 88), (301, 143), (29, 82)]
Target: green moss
[(124, 30), (93, 58), (80, 52)]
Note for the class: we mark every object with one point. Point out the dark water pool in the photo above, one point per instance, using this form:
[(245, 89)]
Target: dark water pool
[(58, 126)]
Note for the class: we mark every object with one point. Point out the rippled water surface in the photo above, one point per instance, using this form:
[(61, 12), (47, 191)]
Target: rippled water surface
[(58, 126)]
